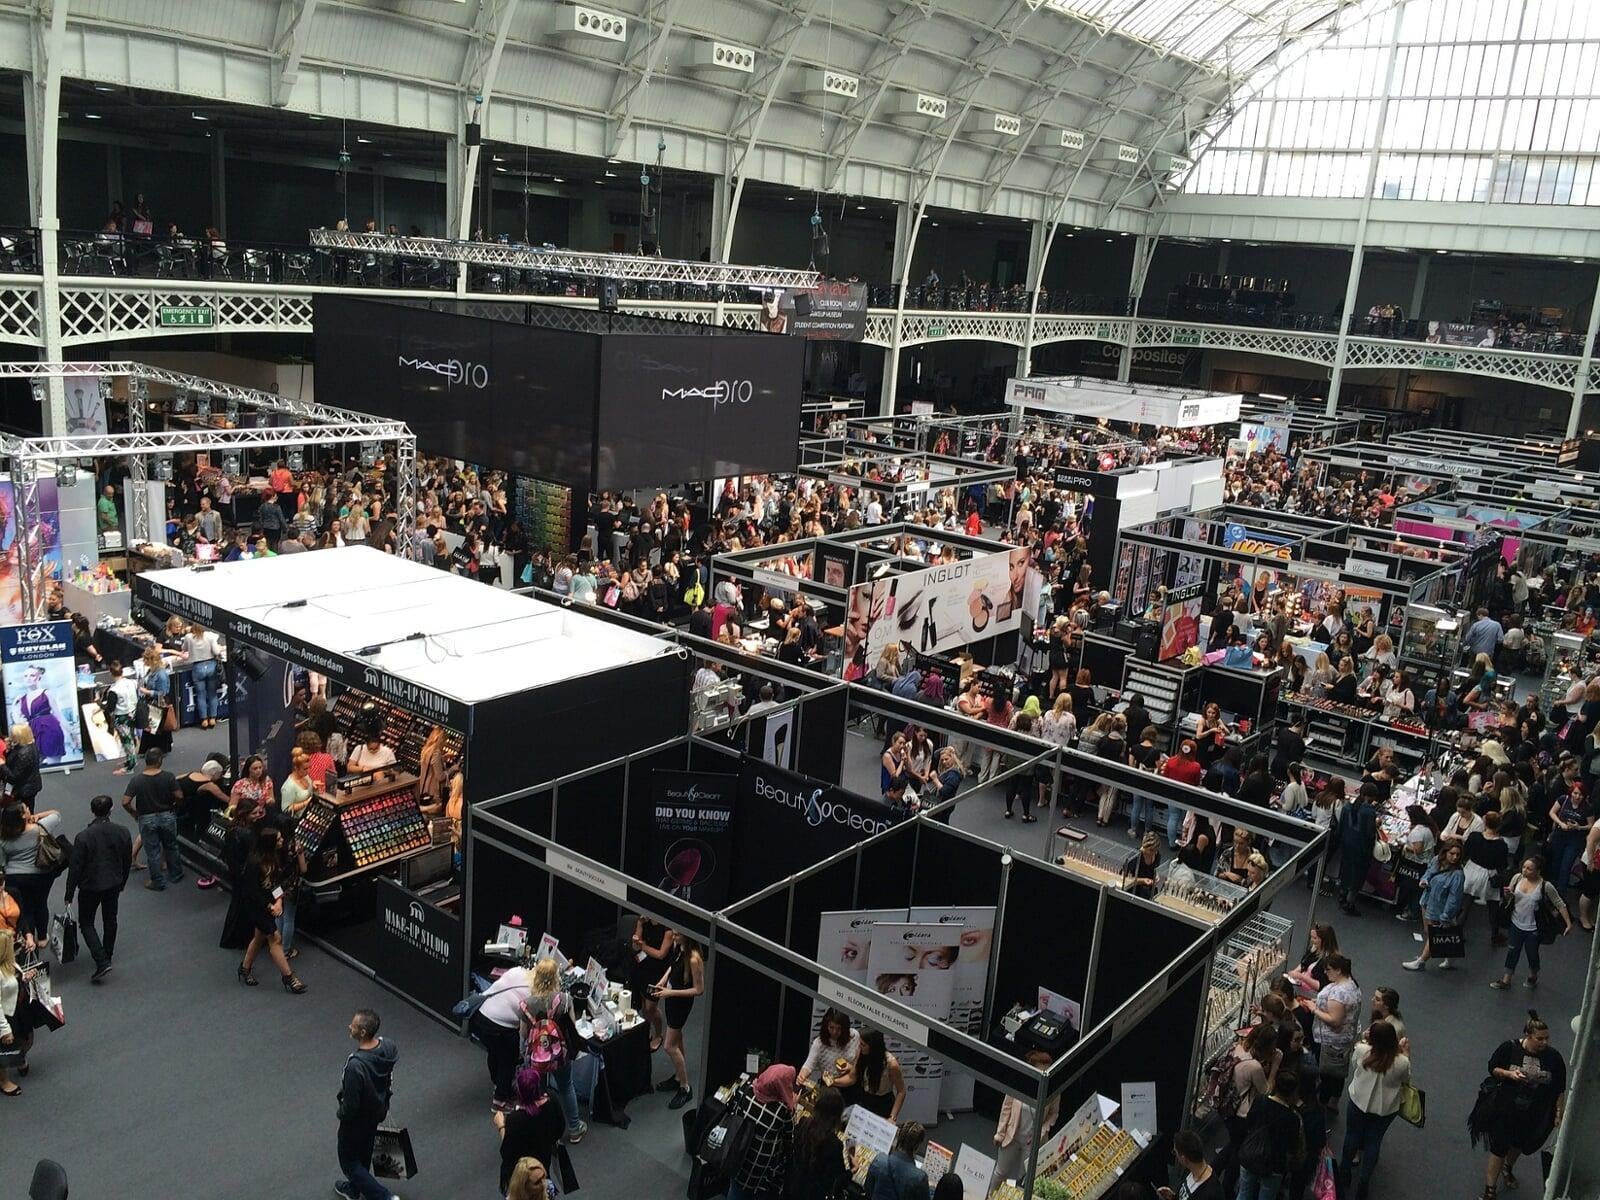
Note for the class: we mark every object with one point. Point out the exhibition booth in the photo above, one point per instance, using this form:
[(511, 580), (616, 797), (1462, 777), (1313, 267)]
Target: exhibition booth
[(1111, 400), (568, 401), (401, 650)]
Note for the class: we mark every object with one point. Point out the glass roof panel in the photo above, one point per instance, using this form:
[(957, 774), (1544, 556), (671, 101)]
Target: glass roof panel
[(1219, 35)]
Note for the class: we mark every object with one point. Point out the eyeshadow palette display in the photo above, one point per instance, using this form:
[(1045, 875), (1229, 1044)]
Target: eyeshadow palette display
[(401, 731), (545, 510), (368, 826)]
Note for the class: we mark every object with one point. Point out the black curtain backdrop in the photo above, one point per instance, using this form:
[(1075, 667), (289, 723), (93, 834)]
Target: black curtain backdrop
[(1158, 1049), (1159, 939), (954, 872), (743, 1016), (589, 816), (886, 865), (503, 884), (1045, 941), (820, 753)]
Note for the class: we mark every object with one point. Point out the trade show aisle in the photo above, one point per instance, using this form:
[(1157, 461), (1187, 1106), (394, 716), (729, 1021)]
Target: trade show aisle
[(1454, 1020), (250, 1073)]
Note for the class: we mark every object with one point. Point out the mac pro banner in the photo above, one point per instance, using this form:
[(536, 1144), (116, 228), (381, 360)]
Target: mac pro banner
[(679, 409), (788, 822)]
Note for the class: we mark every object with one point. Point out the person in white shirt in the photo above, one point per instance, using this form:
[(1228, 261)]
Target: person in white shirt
[(372, 755), (497, 1025), (874, 511), (1399, 701), (835, 1040)]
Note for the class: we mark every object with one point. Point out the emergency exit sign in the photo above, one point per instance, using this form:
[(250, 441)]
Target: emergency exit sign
[(187, 316)]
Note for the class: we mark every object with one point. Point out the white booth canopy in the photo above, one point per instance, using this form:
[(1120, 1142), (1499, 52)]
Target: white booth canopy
[(439, 631), (1106, 399)]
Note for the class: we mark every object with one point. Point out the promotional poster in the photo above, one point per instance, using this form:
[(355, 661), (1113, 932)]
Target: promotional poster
[(41, 690), (915, 963), (937, 608), (44, 547), (692, 835), (86, 404), (831, 311), (970, 981), (1180, 622)]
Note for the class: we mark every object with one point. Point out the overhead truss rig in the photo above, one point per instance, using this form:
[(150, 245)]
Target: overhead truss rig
[(622, 267), (314, 425)]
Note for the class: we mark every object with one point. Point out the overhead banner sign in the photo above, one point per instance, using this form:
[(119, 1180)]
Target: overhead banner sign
[(692, 824), (788, 822), (41, 688), (831, 312), (1102, 400), (1247, 541), (935, 609), (1093, 483)]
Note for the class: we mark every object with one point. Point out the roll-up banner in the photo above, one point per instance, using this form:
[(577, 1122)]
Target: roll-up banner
[(692, 831), (41, 688)]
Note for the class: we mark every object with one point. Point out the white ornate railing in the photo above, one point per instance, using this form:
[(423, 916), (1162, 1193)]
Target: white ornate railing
[(97, 310)]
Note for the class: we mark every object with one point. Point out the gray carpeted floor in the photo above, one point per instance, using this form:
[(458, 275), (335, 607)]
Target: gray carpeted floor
[(172, 1079), (1454, 1019)]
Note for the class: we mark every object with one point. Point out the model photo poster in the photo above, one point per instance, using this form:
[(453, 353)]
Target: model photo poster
[(41, 690), (914, 963), (935, 609), (1180, 621), (970, 981), (692, 845)]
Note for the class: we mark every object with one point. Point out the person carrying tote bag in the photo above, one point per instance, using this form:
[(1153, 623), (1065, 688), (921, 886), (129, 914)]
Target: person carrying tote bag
[(1380, 1070)]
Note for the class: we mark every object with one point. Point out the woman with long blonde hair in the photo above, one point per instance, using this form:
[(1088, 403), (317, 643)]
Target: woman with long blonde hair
[(15, 1027), (547, 1002)]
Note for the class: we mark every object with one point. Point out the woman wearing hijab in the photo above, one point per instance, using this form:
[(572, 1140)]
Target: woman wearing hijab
[(769, 1107)]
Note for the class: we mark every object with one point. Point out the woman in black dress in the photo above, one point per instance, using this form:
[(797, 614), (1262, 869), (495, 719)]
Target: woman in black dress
[(683, 981), (237, 845), (261, 903), (651, 943)]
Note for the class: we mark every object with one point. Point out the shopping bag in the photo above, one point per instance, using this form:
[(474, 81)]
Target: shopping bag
[(1325, 1184), (44, 1006), (1447, 941), (64, 937), (1413, 1105), (392, 1157)]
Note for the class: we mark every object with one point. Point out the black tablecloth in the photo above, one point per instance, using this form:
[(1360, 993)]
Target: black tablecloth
[(625, 1073)]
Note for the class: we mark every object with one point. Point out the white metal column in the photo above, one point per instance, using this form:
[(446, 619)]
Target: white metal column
[(904, 242), (1580, 385), (1038, 242), (1359, 250), (42, 110), (1144, 249), (454, 200)]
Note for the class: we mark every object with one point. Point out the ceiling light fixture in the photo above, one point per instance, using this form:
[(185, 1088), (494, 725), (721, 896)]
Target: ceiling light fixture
[(557, 179), (194, 116), (91, 116), (363, 141)]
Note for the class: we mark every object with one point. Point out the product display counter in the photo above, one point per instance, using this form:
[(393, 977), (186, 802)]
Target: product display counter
[(365, 826), (1349, 733), (401, 731)]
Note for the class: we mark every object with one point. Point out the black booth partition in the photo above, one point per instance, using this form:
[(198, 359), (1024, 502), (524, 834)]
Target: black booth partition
[(591, 400)]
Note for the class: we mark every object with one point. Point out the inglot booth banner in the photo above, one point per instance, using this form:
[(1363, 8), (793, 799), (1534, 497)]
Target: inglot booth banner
[(937, 608)]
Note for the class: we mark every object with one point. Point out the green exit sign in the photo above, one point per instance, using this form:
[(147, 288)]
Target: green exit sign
[(1438, 358), (935, 330), (1186, 337), (187, 316)]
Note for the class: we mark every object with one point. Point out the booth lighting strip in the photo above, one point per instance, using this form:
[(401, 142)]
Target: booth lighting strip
[(633, 267)]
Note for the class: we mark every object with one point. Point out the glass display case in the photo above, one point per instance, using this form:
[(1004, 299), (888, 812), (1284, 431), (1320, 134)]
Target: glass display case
[(1204, 897), (1566, 662), (1432, 636)]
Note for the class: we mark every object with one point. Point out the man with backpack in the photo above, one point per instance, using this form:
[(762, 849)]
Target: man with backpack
[(363, 1104)]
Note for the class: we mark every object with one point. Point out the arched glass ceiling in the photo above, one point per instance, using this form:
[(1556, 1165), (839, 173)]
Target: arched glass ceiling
[(1494, 100), (1224, 36)]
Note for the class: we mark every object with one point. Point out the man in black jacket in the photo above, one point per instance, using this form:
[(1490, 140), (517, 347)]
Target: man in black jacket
[(102, 855), (363, 1104)]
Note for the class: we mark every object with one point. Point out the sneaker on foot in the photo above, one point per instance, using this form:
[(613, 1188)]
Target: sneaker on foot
[(1414, 965), (669, 1084), (1447, 964), (575, 1136), (1499, 985), (100, 973), (680, 1099), (341, 1188)]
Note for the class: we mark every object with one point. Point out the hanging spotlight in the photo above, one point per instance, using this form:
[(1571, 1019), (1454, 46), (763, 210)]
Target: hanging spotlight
[(233, 413), (66, 474), (369, 454), (295, 459), (163, 468), (106, 388), (230, 463), (37, 387), (182, 401), (202, 405), (138, 392)]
